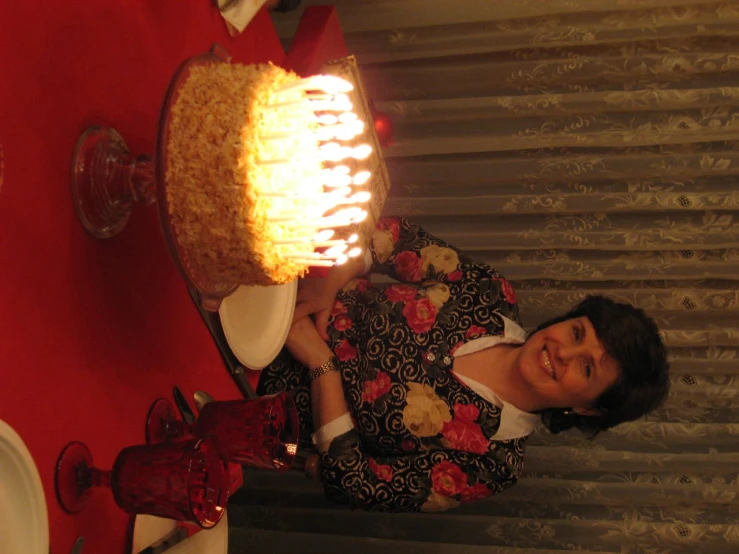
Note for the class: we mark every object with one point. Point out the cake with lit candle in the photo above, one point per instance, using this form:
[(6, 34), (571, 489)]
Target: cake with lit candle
[(262, 172)]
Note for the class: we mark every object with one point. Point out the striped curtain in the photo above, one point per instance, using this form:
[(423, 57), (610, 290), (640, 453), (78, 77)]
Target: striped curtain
[(577, 146)]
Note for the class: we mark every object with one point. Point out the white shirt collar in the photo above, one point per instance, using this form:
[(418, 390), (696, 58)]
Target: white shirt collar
[(514, 423)]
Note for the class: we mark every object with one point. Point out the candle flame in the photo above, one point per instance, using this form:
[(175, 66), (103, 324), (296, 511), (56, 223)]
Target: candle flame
[(361, 178), (308, 208)]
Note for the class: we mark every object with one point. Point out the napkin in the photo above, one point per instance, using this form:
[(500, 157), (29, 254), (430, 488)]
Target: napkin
[(207, 541), (238, 13)]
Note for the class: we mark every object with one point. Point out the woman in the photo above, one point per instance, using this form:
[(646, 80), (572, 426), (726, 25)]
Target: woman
[(423, 393)]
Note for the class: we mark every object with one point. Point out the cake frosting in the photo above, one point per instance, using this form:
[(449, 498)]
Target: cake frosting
[(233, 134)]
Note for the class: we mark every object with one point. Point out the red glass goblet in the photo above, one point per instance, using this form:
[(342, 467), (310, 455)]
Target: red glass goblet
[(186, 480), (256, 432)]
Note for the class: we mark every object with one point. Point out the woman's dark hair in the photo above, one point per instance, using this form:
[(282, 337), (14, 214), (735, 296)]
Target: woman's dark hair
[(632, 339)]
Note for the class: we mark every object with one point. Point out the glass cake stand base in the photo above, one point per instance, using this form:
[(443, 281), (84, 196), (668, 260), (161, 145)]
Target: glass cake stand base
[(106, 180)]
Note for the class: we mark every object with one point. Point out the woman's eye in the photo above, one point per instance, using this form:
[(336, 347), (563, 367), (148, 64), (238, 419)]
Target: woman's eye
[(588, 370), (577, 334)]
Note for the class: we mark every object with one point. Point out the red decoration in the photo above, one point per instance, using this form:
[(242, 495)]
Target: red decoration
[(383, 128)]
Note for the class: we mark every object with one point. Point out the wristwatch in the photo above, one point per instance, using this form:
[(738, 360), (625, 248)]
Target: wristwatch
[(331, 365)]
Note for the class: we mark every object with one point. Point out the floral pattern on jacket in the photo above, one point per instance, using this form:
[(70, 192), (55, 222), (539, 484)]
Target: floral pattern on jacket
[(422, 439)]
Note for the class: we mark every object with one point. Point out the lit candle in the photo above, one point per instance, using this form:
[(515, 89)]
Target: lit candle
[(318, 96), (327, 83), (304, 256), (328, 119), (361, 152), (328, 243), (316, 263), (338, 181), (339, 103), (335, 251), (357, 198), (348, 117), (290, 104), (361, 178), (309, 207)]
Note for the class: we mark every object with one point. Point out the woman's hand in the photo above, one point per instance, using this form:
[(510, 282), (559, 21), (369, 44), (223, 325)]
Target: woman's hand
[(306, 345), (315, 297)]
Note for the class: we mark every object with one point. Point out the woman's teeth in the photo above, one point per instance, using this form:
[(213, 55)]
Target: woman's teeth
[(547, 363)]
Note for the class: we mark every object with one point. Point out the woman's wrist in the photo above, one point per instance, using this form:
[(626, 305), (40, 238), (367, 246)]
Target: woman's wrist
[(341, 275), (317, 357), (332, 364)]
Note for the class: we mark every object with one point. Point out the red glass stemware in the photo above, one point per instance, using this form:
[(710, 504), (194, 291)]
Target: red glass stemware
[(256, 432), (185, 480)]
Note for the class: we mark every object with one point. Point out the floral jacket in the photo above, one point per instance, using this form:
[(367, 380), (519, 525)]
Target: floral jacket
[(421, 439)]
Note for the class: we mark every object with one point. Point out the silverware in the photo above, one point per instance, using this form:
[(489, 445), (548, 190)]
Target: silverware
[(78, 544), (187, 414), (173, 538), (201, 399)]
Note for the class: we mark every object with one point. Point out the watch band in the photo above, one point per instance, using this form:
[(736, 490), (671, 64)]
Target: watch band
[(330, 365)]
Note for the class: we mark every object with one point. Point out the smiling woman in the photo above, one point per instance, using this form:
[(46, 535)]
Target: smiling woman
[(420, 396), (632, 356)]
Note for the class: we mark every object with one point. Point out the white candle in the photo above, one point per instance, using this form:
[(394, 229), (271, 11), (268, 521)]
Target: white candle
[(328, 243), (318, 96), (335, 251), (357, 198), (304, 256), (315, 263), (290, 104), (289, 241), (273, 161), (328, 83), (339, 103)]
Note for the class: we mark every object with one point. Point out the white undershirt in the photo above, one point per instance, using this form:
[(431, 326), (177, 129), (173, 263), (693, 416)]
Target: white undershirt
[(514, 423)]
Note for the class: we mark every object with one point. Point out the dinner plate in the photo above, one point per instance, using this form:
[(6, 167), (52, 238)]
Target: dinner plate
[(24, 524), (256, 321), (149, 529)]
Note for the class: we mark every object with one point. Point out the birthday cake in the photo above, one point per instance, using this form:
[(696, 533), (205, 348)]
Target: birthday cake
[(241, 201)]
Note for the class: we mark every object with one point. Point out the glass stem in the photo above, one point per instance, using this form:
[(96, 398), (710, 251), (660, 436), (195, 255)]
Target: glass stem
[(98, 477), (143, 180), (177, 429)]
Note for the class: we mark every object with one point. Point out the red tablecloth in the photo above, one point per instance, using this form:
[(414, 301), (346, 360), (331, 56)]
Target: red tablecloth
[(92, 332)]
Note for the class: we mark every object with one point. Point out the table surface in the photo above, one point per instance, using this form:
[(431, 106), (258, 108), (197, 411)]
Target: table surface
[(91, 332)]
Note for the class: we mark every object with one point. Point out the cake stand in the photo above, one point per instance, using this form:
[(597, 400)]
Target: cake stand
[(106, 181)]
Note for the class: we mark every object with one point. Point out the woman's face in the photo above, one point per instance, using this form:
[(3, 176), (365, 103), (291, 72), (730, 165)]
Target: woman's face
[(566, 366)]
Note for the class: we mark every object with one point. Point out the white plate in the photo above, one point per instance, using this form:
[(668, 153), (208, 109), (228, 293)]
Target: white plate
[(256, 321), (149, 529), (24, 524)]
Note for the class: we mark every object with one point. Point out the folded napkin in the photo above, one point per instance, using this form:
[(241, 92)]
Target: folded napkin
[(238, 13), (207, 541)]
